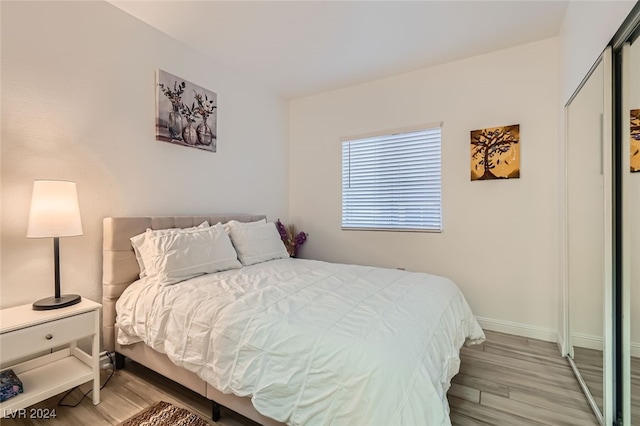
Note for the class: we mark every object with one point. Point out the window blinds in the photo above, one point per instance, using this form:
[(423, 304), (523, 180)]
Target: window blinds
[(392, 182)]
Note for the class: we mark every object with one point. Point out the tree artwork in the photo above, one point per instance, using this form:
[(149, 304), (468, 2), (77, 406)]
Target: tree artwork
[(635, 140), (495, 153)]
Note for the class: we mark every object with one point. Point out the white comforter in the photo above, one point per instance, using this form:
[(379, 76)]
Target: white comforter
[(312, 343)]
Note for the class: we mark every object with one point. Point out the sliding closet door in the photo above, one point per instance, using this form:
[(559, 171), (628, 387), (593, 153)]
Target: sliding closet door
[(608, 378), (589, 235), (630, 177)]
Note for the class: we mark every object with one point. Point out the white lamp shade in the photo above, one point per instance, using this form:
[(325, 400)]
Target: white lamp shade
[(54, 210)]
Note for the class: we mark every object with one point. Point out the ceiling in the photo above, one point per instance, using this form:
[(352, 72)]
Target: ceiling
[(298, 48)]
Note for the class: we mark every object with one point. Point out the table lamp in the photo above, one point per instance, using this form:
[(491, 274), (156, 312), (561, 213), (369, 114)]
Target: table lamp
[(54, 213)]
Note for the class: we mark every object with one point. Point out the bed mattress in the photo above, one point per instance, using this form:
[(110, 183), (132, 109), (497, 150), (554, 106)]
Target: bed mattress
[(312, 343)]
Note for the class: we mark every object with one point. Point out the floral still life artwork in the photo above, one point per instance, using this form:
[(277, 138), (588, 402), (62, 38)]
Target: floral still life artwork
[(186, 114), (495, 153), (635, 140), (292, 240)]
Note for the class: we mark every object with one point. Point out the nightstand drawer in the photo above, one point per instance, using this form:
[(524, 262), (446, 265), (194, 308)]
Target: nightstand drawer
[(29, 340)]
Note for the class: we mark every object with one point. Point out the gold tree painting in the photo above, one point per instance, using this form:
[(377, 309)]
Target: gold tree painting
[(635, 140), (495, 153)]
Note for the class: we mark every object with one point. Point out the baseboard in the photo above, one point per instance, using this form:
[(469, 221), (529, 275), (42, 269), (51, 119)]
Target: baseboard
[(530, 331), (562, 345), (587, 341), (596, 342)]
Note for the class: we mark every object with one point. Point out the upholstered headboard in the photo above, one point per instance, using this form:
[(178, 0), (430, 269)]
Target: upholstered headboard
[(119, 265)]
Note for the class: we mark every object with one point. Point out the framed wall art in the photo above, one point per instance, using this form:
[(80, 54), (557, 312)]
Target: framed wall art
[(186, 114), (495, 153)]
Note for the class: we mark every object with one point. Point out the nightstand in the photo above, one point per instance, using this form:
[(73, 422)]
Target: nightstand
[(25, 333)]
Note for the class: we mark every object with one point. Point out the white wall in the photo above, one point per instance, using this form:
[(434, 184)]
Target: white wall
[(499, 239), (78, 103), (587, 28)]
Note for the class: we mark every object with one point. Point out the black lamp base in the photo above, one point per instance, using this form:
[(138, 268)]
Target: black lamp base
[(56, 302)]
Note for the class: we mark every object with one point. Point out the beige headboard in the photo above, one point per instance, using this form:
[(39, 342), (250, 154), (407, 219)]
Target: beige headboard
[(119, 265)]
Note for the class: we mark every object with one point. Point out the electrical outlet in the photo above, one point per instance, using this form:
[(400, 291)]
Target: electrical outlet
[(105, 361)]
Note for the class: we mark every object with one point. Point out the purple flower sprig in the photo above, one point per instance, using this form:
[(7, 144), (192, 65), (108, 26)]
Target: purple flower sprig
[(300, 238), (292, 240), (281, 229)]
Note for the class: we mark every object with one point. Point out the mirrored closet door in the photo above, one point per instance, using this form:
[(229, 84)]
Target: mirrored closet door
[(632, 196), (588, 227), (602, 234), (630, 178)]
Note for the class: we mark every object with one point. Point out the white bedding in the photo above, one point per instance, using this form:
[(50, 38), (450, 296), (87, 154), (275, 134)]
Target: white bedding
[(312, 343)]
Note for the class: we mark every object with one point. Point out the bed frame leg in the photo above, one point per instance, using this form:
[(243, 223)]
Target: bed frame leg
[(215, 411), (119, 361)]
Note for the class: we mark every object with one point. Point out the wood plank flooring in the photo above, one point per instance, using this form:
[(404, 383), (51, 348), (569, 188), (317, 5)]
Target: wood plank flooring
[(516, 381), (508, 380), (635, 391), (590, 363)]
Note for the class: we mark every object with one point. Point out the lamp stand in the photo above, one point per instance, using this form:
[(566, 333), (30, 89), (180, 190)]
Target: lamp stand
[(58, 301)]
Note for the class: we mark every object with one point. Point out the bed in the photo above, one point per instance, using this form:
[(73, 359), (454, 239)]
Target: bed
[(290, 341)]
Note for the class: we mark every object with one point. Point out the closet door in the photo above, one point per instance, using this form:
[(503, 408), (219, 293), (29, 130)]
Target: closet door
[(589, 236), (630, 178)]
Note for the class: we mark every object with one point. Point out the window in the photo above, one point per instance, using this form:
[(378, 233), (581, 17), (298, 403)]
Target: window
[(392, 182)]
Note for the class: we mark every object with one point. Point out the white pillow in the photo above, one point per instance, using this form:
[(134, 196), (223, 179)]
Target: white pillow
[(139, 242), (234, 224), (178, 256), (258, 243)]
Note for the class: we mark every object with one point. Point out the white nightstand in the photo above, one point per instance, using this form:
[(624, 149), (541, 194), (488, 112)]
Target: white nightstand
[(25, 332)]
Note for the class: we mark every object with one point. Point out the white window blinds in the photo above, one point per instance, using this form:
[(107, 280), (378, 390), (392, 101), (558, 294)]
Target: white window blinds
[(392, 182)]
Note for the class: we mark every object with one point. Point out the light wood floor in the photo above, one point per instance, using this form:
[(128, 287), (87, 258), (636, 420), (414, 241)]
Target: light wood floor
[(635, 391), (589, 363), (512, 380), (508, 380)]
